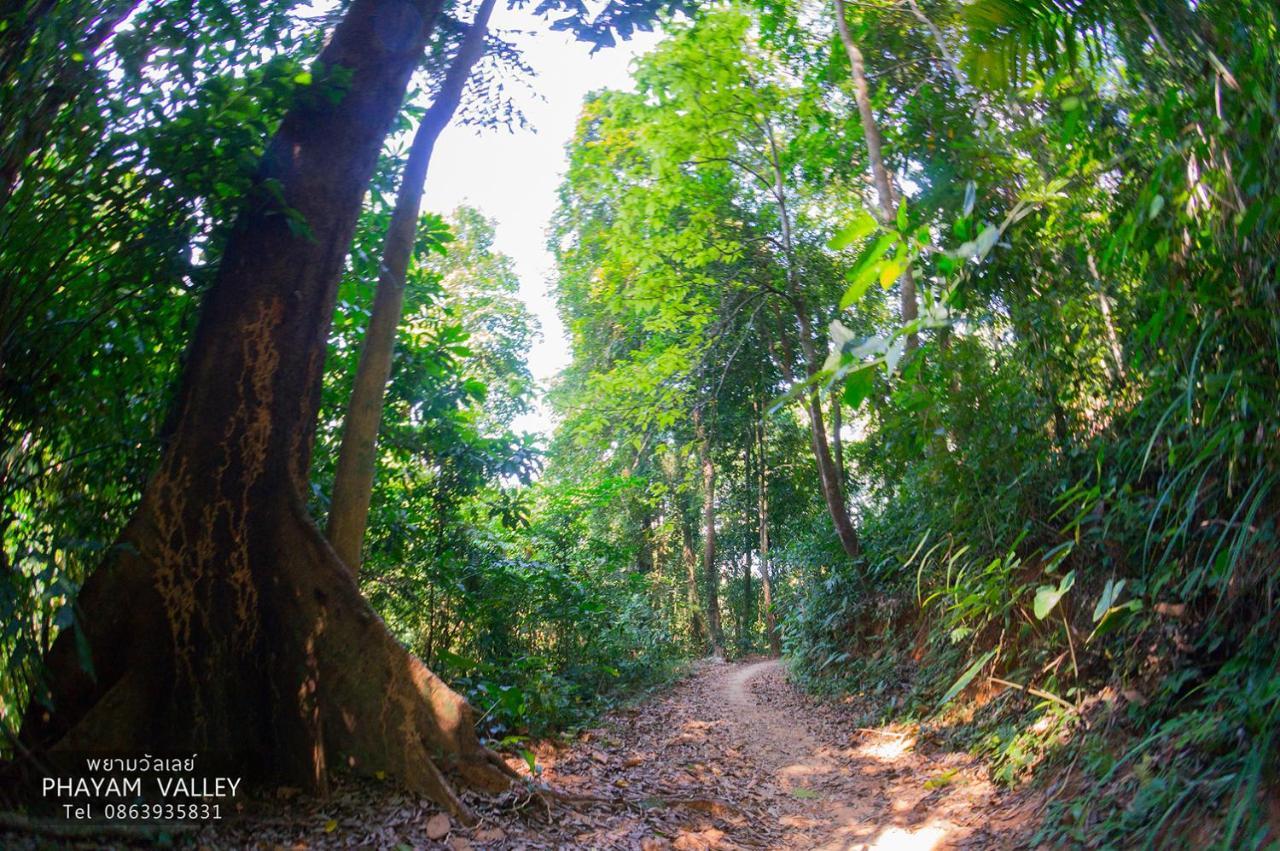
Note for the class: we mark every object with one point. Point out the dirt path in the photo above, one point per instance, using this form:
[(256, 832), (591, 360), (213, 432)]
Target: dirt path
[(735, 757), (732, 757)]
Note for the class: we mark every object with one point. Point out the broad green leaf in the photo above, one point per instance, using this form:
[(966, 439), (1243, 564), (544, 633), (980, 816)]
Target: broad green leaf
[(1047, 596), (891, 271), (858, 386), (859, 287), (862, 224), (1110, 593)]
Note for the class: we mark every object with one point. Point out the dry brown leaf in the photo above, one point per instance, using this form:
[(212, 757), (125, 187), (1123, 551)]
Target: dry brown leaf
[(438, 826)]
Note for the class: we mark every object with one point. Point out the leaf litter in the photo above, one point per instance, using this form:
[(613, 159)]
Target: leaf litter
[(732, 757)]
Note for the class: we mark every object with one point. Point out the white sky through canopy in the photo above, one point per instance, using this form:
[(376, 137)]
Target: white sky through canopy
[(513, 177)]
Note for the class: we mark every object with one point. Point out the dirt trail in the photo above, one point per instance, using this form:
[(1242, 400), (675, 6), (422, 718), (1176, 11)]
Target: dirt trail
[(732, 757), (736, 757)]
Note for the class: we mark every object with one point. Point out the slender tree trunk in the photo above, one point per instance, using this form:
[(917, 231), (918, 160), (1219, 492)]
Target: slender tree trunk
[(830, 482), (762, 521), (1104, 304), (875, 154), (358, 456), (710, 574), (837, 442), (696, 629), (243, 634), (645, 555)]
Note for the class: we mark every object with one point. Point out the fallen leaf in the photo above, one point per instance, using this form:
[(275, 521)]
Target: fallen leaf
[(438, 826), (457, 843), (946, 778), (632, 762), (490, 834)]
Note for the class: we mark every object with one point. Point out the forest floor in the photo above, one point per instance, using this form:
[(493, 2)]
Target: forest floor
[(731, 757)]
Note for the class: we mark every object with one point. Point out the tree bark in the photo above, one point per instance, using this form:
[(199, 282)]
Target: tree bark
[(875, 154), (762, 522), (222, 621), (710, 573), (358, 455)]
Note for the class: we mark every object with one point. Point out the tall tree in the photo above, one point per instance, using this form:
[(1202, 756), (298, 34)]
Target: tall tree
[(245, 633), (762, 523), (710, 569), (357, 457)]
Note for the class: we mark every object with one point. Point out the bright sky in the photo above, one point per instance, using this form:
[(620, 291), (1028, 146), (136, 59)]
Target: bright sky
[(513, 177)]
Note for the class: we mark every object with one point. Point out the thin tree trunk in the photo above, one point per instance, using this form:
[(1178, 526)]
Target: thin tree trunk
[(710, 574), (762, 521), (244, 635), (1104, 304), (358, 455), (696, 629), (875, 154), (831, 489), (837, 442), (952, 61)]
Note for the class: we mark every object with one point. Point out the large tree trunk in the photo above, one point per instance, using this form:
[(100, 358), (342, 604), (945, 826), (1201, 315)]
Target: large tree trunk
[(222, 621), (358, 455), (762, 520), (875, 154), (710, 573)]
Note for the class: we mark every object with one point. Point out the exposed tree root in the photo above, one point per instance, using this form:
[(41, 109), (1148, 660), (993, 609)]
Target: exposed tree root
[(305, 678)]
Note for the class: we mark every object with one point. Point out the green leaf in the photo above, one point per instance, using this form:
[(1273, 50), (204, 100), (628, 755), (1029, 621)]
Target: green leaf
[(1047, 596), (902, 214), (859, 286), (858, 386), (1110, 593), (861, 225), (965, 678), (1157, 204), (891, 271)]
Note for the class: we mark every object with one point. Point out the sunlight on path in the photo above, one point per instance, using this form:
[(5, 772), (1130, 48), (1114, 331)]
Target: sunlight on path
[(869, 794), (735, 757)]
